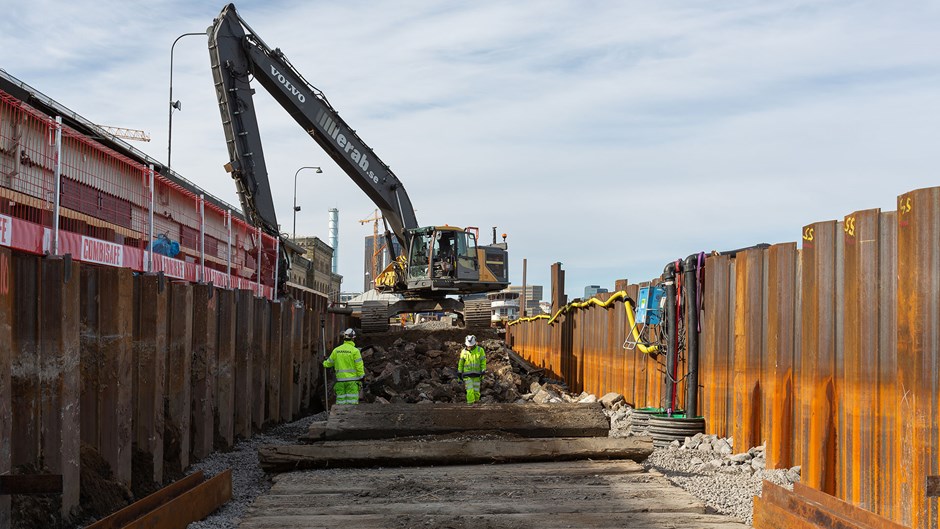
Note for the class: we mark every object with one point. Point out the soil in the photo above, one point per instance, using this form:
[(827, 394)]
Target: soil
[(101, 495), (35, 511)]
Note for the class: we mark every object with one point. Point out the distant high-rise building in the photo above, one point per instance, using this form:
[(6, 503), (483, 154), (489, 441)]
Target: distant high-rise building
[(592, 290), (533, 295), (382, 259)]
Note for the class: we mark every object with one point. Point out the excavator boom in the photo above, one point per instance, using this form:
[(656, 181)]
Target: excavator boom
[(436, 261)]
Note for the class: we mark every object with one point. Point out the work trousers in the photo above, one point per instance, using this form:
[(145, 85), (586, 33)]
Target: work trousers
[(347, 392), (473, 388)]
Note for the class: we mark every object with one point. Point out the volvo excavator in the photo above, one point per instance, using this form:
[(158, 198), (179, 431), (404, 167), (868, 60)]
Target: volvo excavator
[(436, 262)]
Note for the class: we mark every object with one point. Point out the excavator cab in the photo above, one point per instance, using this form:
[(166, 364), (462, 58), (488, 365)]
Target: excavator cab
[(441, 255)]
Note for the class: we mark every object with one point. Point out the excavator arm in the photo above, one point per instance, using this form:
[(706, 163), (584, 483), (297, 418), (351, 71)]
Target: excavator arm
[(238, 56)]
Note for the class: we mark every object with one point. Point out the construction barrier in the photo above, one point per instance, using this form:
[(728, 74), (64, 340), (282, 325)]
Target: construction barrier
[(64, 193), (829, 354)]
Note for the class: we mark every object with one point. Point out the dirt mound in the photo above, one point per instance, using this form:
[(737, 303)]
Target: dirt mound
[(101, 494)]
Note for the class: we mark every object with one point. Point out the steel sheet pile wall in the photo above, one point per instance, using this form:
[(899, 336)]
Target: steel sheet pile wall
[(828, 354), (585, 348), (150, 374)]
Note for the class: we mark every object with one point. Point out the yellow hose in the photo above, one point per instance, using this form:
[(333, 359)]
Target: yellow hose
[(627, 306)]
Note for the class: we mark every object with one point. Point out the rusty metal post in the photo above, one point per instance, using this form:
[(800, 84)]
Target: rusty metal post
[(60, 380), (25, 361), (918, 349), (779, 385), (6, 395), (89, 355), (286, 369), (205, 305), (861, 231), (244, 389), (261, 321), (887, 447), (817, 382), (273, 394), (748, 344), (115, 326), (297, 359), (149, 364), (178, 432), (225, 369), (559, 299)]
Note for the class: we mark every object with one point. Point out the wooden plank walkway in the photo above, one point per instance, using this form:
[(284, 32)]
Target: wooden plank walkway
[(583, 494)]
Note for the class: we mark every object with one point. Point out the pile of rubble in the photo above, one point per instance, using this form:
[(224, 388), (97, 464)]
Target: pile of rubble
[(716, 454), (425, 370)]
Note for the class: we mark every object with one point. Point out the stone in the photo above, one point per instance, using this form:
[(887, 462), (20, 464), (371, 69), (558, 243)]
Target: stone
[(722, 447), (674, 445), (741, 458), (758, 463), (610, 399), (587, 399), (793, 477), (796, 469)]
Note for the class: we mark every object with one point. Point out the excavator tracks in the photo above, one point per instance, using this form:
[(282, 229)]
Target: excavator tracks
[(374, 316), (477, 313)]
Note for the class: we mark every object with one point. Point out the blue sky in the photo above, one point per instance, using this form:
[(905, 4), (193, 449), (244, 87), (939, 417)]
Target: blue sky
[(611, 136)]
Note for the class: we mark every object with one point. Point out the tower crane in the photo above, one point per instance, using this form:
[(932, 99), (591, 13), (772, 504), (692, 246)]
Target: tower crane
[(376, 249)]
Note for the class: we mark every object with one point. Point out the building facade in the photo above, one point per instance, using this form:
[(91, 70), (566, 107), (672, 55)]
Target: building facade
[(316, 267)]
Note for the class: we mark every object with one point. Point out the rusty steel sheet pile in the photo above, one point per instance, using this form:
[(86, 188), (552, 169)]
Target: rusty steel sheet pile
[(828, 352)]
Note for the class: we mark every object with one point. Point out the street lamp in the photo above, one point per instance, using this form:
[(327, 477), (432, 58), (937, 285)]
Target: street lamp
[(173, 104), (296, 207)]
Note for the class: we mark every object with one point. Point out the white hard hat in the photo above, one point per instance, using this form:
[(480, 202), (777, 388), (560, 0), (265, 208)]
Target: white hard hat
[(471, 340), (349, 334)]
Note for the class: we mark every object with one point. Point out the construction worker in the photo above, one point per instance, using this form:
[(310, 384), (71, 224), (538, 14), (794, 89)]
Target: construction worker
[(471, 367), (347, 361)]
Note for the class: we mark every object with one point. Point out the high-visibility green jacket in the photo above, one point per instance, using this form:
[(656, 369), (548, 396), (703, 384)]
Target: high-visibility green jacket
[(347, 361), (472, 362)]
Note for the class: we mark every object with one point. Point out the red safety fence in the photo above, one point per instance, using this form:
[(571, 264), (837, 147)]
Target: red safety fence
[(107, 213)]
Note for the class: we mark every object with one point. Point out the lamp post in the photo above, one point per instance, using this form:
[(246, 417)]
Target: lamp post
[(173, 104), (296, 207)]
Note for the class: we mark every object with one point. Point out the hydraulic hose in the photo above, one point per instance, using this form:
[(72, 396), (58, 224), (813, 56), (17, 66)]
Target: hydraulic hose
[(628, 309)]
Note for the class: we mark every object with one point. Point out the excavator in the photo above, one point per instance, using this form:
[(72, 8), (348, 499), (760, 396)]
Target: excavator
[(436, 263)]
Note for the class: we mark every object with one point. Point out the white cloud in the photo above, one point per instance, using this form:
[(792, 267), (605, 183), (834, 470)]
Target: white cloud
[(612, 137)]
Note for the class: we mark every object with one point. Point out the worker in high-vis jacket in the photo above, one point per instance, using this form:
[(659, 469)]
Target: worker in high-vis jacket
[(346, 360), (471, 367)]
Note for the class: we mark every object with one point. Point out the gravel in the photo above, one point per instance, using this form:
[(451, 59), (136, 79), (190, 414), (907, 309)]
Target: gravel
[(724, 482), (248, 480)]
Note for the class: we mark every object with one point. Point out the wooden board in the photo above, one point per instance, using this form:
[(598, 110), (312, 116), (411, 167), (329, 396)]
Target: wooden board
[(583, 494), (382, 421), (331, 454)]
